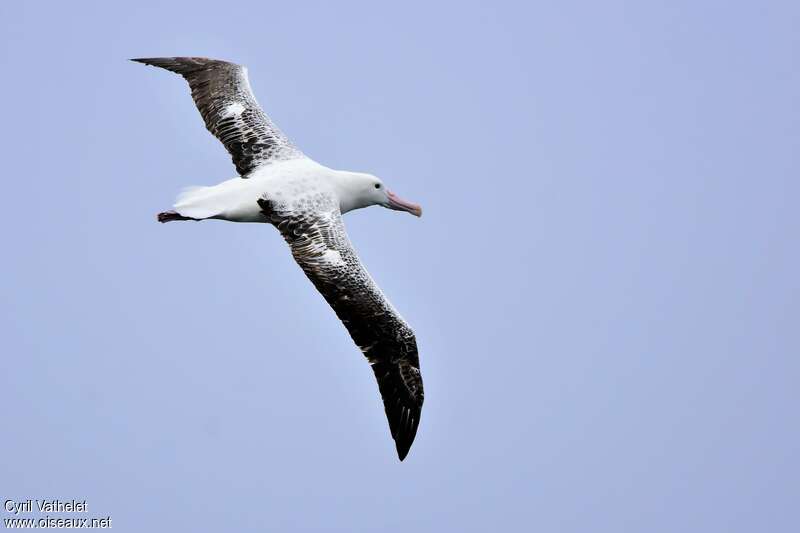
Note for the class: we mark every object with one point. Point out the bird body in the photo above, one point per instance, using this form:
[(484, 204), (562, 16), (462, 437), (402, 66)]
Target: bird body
[(289, 182), (236, 199), (304, 200)]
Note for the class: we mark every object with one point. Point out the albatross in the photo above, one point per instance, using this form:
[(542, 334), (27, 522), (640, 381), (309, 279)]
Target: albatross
[(277, 184)]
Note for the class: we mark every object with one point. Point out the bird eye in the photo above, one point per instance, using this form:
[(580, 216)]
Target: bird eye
[(377, 185)]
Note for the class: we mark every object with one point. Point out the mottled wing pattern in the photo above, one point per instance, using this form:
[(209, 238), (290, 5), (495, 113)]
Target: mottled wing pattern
[(223, 95), (320, 245)]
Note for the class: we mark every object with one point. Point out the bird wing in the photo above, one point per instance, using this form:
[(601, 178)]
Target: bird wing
[(224, 98), (321, 247)]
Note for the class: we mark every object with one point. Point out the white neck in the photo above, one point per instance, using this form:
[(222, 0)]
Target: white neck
[(349, 186)]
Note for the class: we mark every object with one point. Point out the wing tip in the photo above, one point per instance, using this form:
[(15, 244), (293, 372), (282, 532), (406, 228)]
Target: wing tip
[(179, 65), (167, 63), (403, 397), (402, 449), (184, 64), (148, 60), (405, 435)]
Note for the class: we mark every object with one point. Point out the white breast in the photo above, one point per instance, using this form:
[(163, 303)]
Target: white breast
[(237, 199)]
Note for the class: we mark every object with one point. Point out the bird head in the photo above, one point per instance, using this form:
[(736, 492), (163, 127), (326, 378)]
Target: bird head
[(357, 190)]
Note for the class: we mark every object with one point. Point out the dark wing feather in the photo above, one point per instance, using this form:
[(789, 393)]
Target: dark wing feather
[(321, 247), (224, 98)]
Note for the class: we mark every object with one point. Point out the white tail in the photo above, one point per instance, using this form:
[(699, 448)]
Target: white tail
[(198, 202)]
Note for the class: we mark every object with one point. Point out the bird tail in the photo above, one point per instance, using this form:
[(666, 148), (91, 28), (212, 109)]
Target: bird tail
[(197, 202), (188, 206), (188, 193)]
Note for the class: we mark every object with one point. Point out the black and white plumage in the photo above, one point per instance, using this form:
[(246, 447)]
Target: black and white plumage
[(305, 201), (224, 98), (321, 247)]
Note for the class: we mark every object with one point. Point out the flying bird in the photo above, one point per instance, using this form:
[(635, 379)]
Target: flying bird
[(279, 185)]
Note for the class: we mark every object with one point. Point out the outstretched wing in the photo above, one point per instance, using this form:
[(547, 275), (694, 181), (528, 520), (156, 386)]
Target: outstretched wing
[(224, 98), (321, 247)]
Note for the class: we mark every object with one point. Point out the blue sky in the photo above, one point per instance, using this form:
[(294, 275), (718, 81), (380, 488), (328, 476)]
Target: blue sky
[(604, 284)]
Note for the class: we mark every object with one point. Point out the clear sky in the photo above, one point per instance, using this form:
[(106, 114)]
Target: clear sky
[(604, 285)]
